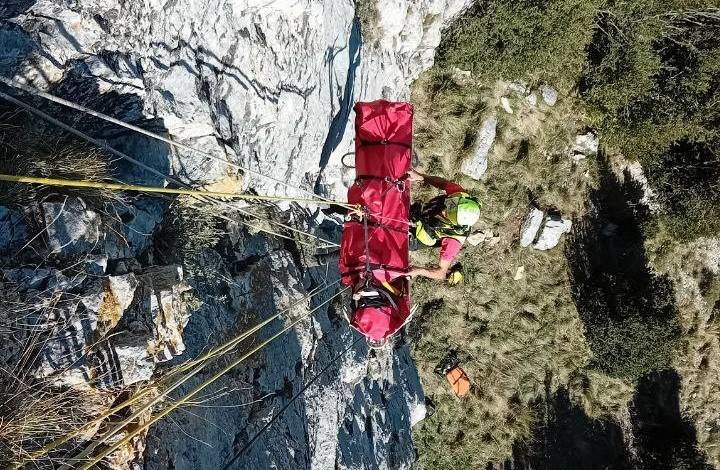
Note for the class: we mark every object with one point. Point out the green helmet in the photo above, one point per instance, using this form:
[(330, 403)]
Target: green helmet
[(463, 210)]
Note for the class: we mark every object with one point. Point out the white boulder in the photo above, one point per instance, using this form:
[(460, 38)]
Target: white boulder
[(483, 236), (520, 87), (549, 95), (586, 145), (476, 166), (505, 102), (530, 227), (553, 229)]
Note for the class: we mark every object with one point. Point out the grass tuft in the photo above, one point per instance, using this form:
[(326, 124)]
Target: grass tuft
[(367, 13), (187, 229), (28, 149), (33, 414)]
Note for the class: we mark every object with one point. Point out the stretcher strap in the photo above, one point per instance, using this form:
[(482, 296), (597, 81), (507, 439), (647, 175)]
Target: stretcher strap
[(378, 225), (398, 183), (386, 267), (365, 143)]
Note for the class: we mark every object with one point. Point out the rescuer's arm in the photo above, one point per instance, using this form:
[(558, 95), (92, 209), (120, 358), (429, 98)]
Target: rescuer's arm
[(439, 273), (438, 182)]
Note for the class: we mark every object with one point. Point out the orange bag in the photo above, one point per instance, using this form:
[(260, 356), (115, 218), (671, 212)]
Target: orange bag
[(459, 381)]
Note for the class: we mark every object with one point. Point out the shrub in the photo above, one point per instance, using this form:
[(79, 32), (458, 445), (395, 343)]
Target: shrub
[(33, 412), (631, 322), (366, 11), (29, 150), (686, 184), (652, 75), (653, 81), (632, 346), (187, 229), (648, 72), (506, 39)]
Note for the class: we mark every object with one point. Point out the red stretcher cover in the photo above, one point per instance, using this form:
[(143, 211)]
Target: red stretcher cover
[(383, 152)]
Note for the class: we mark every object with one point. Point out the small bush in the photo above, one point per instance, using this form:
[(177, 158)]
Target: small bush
[(506, 39), (33, 414), (187, 229), (29, 150), (633, 346), (368, 14), (686, 185)]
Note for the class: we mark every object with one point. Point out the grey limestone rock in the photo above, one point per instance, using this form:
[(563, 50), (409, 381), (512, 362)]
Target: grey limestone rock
[(553, 228), (476, 166), (520, 87), (134, 363), (13, 231), (531, 226), (505, 102), (268, 86), (549, 95), (71, 227)]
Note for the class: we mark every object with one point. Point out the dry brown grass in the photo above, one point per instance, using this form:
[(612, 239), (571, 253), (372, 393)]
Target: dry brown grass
[(187, 229), (33, 414), (28, 149), (34, 411)]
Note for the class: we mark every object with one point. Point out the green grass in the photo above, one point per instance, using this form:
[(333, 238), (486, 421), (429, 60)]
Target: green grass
[(521, 39), (513, 336), (648, 73), (647, 81)]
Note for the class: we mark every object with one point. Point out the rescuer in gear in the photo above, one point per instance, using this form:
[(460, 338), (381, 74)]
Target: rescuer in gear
[(444, 221)]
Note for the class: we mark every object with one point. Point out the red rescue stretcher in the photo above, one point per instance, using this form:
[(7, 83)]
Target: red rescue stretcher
[(374, 248)]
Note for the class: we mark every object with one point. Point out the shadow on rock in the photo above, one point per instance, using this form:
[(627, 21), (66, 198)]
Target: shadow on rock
[(32, 146), (15, 43), (339, 120), (629, 313), (567, 438), (12, 8), (664, 439), (81, 87), (658, 438)]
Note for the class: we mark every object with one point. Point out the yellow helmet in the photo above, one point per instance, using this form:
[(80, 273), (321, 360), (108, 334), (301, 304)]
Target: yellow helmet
[(454, 278)]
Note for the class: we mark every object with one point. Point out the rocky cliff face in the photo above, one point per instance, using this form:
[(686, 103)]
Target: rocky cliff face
[(270, 86)]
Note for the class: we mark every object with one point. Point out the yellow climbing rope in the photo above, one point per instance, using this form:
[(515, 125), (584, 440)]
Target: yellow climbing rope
[(172, 381), (189, 368), (180, 401), (168, 178), (156, 189), (34, 91)]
